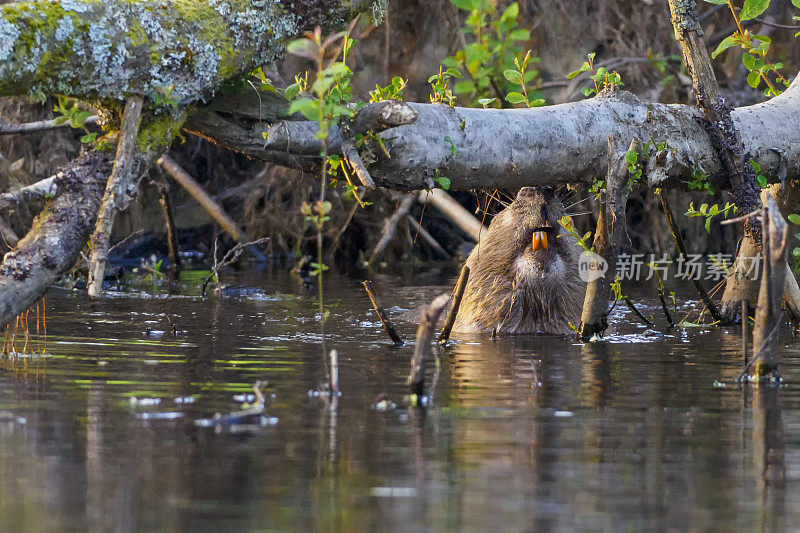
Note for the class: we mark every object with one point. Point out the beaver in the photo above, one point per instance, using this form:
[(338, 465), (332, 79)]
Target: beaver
[(524, 272)]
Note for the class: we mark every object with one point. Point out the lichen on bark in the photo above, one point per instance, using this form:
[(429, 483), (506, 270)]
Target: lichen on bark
[(106, 50)]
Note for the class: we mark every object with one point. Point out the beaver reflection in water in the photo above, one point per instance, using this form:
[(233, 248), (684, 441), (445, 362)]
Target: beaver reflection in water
[(523, 273)]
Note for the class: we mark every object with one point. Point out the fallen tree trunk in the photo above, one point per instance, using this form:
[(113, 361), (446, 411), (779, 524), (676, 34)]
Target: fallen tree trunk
[(58, 234), (510, 148)]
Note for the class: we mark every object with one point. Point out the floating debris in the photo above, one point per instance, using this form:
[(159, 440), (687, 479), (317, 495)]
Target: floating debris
[(383, 404), (169, 415), (144, 401)]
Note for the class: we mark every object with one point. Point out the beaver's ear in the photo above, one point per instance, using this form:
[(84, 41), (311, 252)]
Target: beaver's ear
[(531, 192)]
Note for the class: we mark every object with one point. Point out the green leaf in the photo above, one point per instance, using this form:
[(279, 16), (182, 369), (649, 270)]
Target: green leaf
[(538, 102), (717, 2), (796, 3), (794, 218), (753, 8), (89, 137), (515, 98), (727, 42), (464, 87), (585, 67), (444, 182), (754, 79), (337, 69), (454, 72), (631, 156), (519, 35), (303, 48), (308, 107), (749, 60), (587, 91), (511, 13), (486, 101), (513, 76), (292, 91), (467, 5)]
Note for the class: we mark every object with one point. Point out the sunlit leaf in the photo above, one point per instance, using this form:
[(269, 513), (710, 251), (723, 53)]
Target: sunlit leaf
[(753, 8), (308, 107), (513, 76), (727, 42), (754, 79), (515, 98)]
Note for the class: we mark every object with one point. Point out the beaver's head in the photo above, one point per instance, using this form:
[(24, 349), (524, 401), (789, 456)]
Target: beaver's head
[(523, 274)]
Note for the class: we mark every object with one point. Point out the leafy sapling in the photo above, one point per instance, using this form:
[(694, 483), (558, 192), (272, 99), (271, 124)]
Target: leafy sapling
[(517, 76), (756, 47), (709, 212)]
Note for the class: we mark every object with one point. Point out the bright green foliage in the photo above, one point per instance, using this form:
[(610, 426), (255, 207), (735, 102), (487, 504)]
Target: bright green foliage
[(440, 86), (756, 47), (794, 218), (393, 91), (710, 212), (601, 78), (700, 180), (70, 111), (597, 188), (582, 240), (496, 39), (634, 168), (761, 179), (517, 76)]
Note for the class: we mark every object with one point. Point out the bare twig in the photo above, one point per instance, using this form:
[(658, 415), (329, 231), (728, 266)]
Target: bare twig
[(664, 305), (334, 355), (378, 306), (41, 125), (427, 237), (458, 293), (165, 201), (454, 211), (390, 226), (638, 313), (425, 331), (125, 240), (214, 210), (229, 258), (744, 333), (756, 213), (46, 188)]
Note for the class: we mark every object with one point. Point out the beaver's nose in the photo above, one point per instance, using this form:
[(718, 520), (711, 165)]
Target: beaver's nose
[(527, 192)]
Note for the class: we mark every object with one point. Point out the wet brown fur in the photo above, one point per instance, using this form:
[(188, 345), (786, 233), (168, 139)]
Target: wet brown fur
[(513, 289)]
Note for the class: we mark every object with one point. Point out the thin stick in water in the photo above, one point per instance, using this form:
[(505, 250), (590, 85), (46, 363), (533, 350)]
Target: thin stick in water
[(334, 355), (744, 332), (676, 235), (458, 293), (416, 378), (378, 306)]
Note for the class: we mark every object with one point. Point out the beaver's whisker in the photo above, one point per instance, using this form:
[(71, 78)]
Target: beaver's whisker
[(576, 203), (579, 214)]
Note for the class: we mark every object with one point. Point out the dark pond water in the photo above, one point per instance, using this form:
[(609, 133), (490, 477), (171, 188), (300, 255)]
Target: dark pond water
[(527, 433)]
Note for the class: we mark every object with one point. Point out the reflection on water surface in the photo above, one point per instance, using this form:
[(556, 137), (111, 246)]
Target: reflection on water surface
[(526, 433)]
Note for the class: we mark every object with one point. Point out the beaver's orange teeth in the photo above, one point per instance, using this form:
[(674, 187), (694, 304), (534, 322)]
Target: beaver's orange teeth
[(539, 241)]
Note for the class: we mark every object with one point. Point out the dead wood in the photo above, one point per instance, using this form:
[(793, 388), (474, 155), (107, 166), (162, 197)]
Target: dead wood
[(423, 349), (377, 304)]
